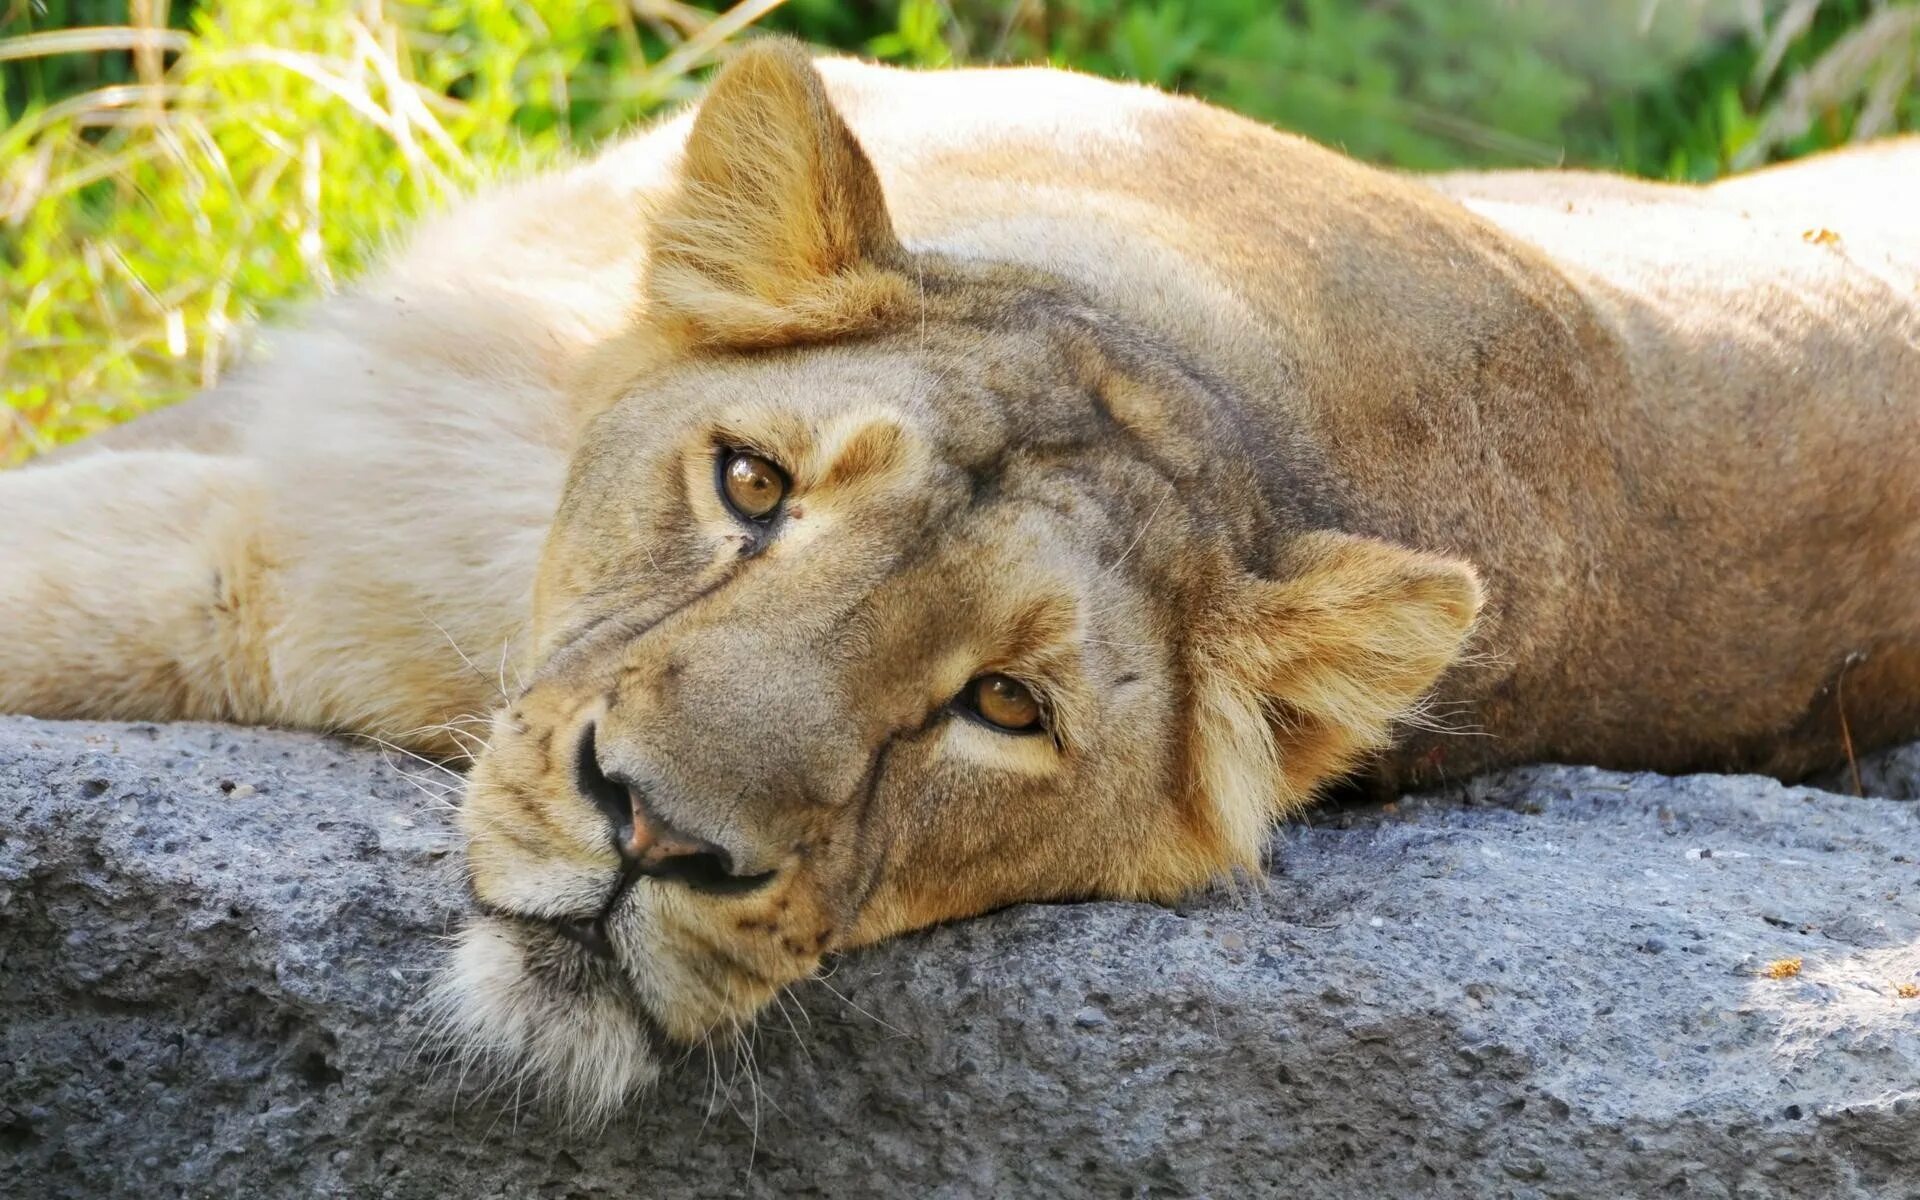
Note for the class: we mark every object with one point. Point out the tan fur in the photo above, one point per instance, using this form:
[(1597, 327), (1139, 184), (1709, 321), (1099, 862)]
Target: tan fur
[(1258, 465), (775, 231), (1367, 630)]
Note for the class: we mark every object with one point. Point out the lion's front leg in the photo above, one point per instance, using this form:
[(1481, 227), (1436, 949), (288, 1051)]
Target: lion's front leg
[(135, 585), (170, 585)]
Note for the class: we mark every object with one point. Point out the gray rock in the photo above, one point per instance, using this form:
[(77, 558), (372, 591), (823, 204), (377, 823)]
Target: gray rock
[(207, 990)]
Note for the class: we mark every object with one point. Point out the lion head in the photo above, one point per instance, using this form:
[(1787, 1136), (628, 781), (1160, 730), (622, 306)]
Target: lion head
[(895, 588)]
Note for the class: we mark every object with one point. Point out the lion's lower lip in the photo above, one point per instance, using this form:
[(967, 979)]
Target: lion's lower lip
[(519, 999)]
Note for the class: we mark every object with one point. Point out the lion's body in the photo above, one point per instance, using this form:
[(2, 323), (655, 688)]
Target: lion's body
[(1750, 474), (1676, 431), (1677, 428)]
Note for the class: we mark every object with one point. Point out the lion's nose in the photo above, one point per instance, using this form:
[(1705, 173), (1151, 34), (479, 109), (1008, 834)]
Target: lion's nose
[(650, 844)]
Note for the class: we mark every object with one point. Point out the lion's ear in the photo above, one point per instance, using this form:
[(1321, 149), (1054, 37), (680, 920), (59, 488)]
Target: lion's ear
[(1303, 674), (777, 231)]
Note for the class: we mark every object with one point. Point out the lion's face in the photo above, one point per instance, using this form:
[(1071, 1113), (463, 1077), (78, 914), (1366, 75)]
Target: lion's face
[(918, 682), (850, 631)]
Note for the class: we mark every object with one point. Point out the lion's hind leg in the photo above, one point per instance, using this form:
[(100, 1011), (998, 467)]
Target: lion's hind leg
[(134, 586)]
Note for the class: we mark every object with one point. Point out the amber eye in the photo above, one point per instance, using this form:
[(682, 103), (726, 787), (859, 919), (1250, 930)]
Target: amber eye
[(753, 486), (1005, 702)]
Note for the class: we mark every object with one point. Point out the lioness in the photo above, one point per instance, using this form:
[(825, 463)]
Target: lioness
[(882, 496)]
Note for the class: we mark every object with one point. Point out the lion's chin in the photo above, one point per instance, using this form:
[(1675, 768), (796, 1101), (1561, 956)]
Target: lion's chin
[(563, 1028)]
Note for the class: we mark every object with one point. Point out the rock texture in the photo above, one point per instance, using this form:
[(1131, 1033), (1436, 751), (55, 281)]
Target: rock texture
[(1551, 982)]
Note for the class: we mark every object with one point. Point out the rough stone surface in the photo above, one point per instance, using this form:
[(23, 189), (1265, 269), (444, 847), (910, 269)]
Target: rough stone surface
[(1546, 983)]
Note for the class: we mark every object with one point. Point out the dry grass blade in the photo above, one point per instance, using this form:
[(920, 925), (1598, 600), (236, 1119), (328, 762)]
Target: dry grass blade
[(87, 106), (1788, 29), (697, 49), (1881, 52), (671, 17), (95, 39)]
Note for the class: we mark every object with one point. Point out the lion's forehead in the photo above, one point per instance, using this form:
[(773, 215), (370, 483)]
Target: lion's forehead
[(1018, 406)]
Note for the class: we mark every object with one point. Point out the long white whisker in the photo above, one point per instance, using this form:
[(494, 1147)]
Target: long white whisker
[(1135, 543), (821, 980), (477, 672)]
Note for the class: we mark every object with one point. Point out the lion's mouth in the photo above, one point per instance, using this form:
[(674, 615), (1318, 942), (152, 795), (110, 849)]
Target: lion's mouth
[(588, 933)]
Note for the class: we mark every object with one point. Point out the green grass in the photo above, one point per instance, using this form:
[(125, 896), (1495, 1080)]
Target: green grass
[(171, 175), (150, 218)]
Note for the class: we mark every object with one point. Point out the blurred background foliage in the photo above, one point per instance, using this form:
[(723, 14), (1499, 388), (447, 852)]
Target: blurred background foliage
[(174, 171)]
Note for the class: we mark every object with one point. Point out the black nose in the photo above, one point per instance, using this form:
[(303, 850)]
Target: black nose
[(651, 845)]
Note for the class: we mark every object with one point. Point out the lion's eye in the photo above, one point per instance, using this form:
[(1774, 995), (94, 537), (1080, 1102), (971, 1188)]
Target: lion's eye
[(753, 487), (1006, 702)]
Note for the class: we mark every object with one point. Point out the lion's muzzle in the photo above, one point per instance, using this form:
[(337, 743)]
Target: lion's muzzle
[(649, 844)]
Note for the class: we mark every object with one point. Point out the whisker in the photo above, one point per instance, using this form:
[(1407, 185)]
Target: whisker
[(477, 672), (1135, 543), (822, 981), (422, 759), (806, 1051)]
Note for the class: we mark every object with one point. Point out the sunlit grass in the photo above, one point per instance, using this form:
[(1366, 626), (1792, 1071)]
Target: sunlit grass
[(263, 155)]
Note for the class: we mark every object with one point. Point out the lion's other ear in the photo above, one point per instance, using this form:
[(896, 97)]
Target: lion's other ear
[(1303, 674), (777, 231)]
